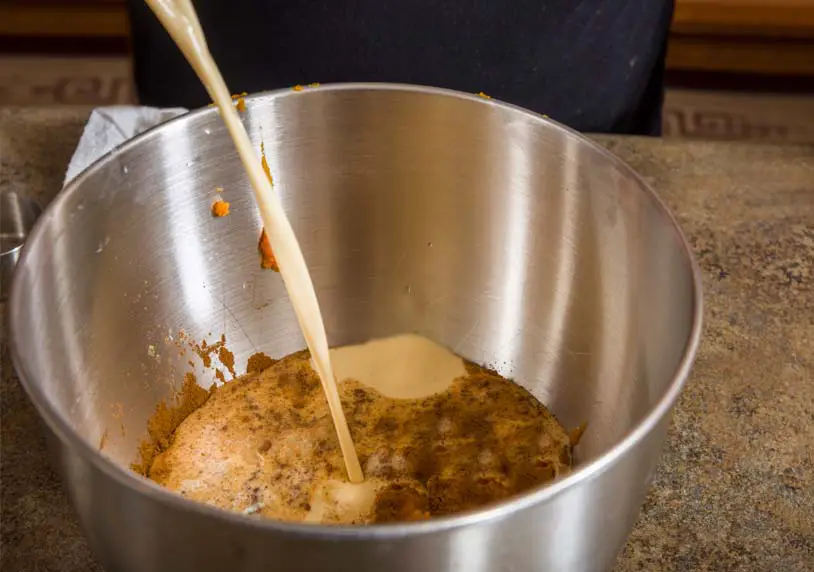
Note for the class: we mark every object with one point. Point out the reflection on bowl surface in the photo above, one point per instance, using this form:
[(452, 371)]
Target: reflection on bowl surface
[(509, 239)]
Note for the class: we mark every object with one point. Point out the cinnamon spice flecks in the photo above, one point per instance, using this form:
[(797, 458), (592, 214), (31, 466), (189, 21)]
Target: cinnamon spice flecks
[(220, 208), (259, 362), (264, 163), (227, 358), (205, 351), (240, 103), (267, 259)]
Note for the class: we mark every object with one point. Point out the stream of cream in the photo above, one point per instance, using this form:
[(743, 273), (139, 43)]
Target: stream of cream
[(406, 366)]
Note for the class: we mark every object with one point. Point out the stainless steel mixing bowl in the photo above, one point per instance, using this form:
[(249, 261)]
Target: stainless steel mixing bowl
[(512, 240)]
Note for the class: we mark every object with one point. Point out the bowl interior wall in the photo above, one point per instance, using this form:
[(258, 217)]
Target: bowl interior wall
[(494, 232)]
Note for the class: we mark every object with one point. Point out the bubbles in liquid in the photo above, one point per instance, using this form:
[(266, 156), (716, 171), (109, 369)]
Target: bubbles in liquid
[(445, 426), (486, 458), (264, 445)]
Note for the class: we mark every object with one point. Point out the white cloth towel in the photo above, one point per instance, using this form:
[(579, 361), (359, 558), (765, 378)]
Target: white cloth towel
[(109, 127)]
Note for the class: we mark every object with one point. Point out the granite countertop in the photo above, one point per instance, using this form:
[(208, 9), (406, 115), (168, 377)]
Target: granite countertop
[(735, 489)]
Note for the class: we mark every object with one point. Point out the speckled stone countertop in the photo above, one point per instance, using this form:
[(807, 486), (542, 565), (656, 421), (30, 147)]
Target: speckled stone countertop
[(735, 489)]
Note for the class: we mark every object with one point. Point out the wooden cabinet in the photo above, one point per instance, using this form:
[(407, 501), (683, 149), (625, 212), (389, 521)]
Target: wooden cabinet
[(63, 19), (762, 18), (774, 37)]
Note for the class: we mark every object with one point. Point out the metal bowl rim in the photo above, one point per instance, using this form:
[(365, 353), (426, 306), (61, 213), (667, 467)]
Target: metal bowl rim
[(63, 429)]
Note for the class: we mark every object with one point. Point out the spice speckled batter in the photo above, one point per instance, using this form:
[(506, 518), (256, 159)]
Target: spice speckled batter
[(264, 444)]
